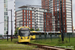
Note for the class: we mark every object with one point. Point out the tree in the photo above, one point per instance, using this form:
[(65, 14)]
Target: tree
[(16, 31), (32, 29), (37, 29)]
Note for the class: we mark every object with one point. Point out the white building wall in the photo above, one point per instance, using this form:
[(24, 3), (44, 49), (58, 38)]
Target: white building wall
[(2, 17), (68, 16), (11, 5), (40, 19)]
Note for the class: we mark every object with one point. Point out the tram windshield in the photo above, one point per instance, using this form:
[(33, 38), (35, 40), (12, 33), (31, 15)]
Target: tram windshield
[(24, 32)]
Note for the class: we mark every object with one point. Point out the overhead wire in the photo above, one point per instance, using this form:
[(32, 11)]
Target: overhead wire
[(6, 21), (7, 1)]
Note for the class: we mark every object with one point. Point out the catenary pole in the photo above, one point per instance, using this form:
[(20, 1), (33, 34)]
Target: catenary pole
[(11, 25), (62, 31), (7, 27)]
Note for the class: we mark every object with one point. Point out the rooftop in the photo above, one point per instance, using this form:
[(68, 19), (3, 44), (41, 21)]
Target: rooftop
[(31, 6)]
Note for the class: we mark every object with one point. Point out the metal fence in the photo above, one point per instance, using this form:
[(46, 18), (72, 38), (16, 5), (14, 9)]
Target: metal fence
[(51, 35)]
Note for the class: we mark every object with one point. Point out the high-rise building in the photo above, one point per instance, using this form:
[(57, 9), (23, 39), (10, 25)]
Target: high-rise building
[(31, 17), (48, 21), (5, 12), (5, 15), (53, 6)]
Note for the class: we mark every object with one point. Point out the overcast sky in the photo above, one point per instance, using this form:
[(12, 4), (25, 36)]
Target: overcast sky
[(27, 2), (38, 2), (74, 13)]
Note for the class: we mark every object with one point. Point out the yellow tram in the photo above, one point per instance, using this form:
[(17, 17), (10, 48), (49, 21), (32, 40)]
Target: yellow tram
[(25, 35), (32, 34)]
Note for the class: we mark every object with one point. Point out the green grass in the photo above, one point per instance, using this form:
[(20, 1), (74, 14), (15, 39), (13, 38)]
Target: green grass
[(8, 45), (4, 41), (56, 42), (15, 47)]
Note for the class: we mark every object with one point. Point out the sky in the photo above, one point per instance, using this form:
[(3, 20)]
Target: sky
[(38, 2), (27, 2), (74, 13)]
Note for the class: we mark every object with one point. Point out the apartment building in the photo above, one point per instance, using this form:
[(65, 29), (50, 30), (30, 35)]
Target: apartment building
[(31, 17), (53, 7)]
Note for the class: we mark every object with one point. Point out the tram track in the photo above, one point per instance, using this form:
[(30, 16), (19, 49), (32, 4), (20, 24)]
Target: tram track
[(45, 47)]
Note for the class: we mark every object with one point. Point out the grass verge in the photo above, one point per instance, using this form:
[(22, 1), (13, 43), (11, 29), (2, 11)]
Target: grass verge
[(8, 45), (57, 42)]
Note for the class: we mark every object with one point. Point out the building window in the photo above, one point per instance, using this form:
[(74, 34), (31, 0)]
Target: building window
[(4, 1), (5, 13)]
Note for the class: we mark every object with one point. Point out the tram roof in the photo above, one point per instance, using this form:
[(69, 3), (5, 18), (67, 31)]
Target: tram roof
[(43, 32)]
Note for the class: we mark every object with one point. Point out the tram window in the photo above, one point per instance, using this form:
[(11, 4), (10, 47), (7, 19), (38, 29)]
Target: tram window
[(24, 33), (32, 34)]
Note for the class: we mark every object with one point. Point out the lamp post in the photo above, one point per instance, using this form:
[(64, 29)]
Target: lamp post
[(11, 25), (45, 22), (62, 31), (7, 27), (19, 23)]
